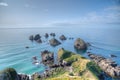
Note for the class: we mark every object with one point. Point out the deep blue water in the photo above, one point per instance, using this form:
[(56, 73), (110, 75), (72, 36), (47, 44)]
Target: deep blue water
[(105, 40)]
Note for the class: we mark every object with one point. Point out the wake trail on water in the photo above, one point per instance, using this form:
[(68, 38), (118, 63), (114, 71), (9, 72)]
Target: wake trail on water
[(112, 47)]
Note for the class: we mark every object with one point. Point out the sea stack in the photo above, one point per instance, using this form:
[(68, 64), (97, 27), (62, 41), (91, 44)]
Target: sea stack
[(54, 42), (39, 41), (80, 44), (31, 38), (52, 34), (46, 35), (37, 37), (62, 37)]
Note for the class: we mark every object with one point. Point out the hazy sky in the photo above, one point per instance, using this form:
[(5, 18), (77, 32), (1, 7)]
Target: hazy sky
[(40, 13)]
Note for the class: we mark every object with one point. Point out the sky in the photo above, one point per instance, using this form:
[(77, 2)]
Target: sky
[(47, 13)]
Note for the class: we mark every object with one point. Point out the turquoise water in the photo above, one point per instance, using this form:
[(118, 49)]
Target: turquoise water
[(105, 40)]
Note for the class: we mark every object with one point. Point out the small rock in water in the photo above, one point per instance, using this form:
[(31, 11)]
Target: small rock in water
[(27, 47), (62, 37), (112, 55), (54, 42)]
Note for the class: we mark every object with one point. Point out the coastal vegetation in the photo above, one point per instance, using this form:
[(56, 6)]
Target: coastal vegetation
[(79, 68)]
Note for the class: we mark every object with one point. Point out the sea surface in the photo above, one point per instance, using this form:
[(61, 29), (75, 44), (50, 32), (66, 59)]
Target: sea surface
[(105, 40)]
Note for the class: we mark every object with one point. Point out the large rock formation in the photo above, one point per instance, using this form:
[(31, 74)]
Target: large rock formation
[(39, 41), (37, 37), (80, 44), (107, 65), (47, 57), (11, 74), (62, 37), (54, 42)]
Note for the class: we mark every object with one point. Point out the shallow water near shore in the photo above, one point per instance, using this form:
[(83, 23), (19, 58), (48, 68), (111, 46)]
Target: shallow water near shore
[(105, 40)]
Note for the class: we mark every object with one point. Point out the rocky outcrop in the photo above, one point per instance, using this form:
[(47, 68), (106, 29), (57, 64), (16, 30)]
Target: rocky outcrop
[(37, 37), (23, 77), (54, 42), (80, 44), (46, 35), (107, 65), (8, 74), (71, 38), (31, 38), (52, 34), (11, 74), (62, 37), (39, 41), (47, 57)]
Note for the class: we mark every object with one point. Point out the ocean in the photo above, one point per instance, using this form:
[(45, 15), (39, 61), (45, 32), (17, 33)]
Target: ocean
[(105, 40)]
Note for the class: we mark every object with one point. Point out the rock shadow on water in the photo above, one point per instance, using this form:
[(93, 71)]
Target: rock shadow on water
[(80, 51)]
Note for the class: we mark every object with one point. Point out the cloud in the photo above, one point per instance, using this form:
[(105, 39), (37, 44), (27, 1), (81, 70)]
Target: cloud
[(46, 10), (113, 8), (27, 5), (3, 4), (107, 15)]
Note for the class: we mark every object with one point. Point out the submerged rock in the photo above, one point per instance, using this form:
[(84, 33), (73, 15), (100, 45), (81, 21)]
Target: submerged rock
[(62, 37), (80, 44), (112, 55), (54, 42), (27, 47), (37, 37)]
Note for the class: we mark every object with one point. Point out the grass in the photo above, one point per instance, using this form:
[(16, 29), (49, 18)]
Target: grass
[(81, 66), (95, 69)]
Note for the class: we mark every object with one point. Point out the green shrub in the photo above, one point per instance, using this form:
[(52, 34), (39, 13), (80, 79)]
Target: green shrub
[(71, 74), (94, 68), (66, 54)]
